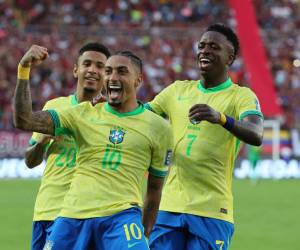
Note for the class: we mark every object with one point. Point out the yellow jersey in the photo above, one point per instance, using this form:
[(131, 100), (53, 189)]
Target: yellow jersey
[(200, 179), (115, 151)]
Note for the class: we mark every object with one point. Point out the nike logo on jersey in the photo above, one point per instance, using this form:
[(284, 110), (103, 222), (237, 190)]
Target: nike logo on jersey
[(133, 244)]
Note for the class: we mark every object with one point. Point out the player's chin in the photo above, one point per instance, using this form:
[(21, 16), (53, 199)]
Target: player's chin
[(90, 88), (114, 103)]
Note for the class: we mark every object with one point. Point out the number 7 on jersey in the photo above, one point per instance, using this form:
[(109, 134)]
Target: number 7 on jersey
[(191, 139)]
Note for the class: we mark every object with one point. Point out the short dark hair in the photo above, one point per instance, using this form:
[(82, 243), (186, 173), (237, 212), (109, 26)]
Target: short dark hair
[(228, 33), (94, 46), (133, 58)]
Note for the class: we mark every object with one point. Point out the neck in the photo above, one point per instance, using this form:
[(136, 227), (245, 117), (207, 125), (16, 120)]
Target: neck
[(83, 95), (126, 107), (213, 81)]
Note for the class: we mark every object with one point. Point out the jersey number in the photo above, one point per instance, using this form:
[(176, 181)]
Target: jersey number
[(132, 231), (192, 139), (66, 157), (111, 159)]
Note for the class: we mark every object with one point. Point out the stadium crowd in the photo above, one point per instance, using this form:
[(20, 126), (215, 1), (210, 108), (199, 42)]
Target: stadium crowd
[(155, 29)]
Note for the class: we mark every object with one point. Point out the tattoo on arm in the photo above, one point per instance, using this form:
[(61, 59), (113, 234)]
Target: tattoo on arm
[(23, 117)]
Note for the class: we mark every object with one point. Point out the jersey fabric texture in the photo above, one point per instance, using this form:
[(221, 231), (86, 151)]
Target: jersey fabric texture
[(174, 231), (61, 160), (123, 230), (115, 151), (200, 179)]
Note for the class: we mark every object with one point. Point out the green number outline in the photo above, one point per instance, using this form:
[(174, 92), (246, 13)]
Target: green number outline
[(68, 154), (192, 138), (109, 156)]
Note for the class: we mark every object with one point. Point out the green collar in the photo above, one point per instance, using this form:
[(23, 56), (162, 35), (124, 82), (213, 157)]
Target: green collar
[(74, 100), (140, 109), (220, 87)]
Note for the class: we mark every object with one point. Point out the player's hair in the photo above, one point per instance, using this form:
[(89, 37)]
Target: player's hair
[(228, 33), (94, 46), (134, 58)]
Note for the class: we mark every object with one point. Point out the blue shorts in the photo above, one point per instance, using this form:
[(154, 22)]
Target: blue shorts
[(40, 233), (123, 230), (176, 231)]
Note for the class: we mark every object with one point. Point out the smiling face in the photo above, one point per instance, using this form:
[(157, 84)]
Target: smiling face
[(215, 54), (122, 79), (89, 70)]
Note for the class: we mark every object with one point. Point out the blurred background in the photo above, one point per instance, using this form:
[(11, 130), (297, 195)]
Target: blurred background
[(164, 34)]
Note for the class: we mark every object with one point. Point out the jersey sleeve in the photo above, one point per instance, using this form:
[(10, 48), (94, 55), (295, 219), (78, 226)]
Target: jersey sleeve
[(162, 153), (247, 104), (35, 136), (161, 104), (65, 120)]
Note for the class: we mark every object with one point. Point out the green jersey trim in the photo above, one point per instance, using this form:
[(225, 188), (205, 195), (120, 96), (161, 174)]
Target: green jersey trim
[(220, 87), (237, 145), (157, 173), (251, 112), (74, 100), (54, 117), (140, 109), (148, 106), (58, 129)]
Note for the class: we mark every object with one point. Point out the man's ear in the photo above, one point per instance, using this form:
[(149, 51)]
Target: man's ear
[(138, 81), (75, 71), (231, 58)]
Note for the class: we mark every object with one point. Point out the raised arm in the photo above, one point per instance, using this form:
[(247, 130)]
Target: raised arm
[(249, 130), (152, 200), (23, 116)]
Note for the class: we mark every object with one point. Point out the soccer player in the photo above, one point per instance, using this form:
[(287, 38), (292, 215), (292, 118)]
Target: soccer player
[(209, 118), (118, 142), (61, 151)]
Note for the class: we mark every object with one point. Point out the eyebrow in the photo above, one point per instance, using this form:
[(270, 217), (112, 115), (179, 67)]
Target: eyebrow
[(118, 67)]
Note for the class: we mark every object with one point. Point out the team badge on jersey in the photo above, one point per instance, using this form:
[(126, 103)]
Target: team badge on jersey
[(116, 135)]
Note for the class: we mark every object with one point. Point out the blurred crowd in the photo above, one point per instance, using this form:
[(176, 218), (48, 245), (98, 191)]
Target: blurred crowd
[(163, 33)]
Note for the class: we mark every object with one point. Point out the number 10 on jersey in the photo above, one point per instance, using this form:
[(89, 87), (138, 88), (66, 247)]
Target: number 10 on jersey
[(112, 158)]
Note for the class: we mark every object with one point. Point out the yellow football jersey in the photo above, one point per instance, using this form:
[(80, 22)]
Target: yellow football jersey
[(115, 150), (200, 179), (61, 160)]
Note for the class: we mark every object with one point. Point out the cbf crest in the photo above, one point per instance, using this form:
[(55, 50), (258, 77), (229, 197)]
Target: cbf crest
[(116, 135)]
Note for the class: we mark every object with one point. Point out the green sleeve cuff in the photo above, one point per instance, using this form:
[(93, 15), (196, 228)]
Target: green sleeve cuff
[(251, 112), (54, 117), (157, 173), (32, 142), (57, 126)]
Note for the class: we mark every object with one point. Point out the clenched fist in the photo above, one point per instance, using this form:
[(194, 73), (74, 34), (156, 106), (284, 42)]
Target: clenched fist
[(34, 56)]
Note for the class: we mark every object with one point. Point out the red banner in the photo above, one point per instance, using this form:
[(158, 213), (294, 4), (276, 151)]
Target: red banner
[(254, 56)]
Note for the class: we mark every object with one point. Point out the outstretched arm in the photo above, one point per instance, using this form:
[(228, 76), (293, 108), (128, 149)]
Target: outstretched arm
[(152, 200), (23, 116), (249, 130)]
